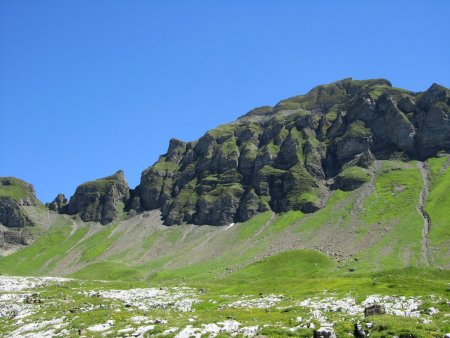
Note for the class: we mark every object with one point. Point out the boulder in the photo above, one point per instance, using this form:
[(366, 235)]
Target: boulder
[(375, 309), (324, 333), (359, 331)]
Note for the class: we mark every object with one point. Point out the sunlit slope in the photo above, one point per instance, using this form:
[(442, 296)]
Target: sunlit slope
[(438, 209), (376, 227)]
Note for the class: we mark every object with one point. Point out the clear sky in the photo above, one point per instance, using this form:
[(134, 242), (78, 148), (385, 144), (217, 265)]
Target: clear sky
[(90, 87)]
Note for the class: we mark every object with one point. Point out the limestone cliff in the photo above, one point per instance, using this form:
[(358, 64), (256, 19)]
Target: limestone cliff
[(289, 156)]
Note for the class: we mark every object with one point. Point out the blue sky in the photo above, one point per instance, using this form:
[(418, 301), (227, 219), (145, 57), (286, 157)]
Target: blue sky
[(90, 87)]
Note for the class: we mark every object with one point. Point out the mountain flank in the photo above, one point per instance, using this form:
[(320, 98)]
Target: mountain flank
[(281, 158)]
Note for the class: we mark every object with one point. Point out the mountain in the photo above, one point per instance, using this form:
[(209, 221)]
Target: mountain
[(281, 158), (290, 156), (350, 168), (335, 217)]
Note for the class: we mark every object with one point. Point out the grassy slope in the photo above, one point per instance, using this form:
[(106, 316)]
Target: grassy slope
[(15, 188), (382, 224), (382, 228), (438, 210), (392, 207)]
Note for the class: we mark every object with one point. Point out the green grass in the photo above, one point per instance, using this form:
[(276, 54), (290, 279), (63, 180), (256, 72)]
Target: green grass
[(15, 188), (250, 227), (163, 165), (357, 129), (320, 218), (286, 219), (294, 264), (438, 198), (44, 254), (223, 131), (110, 271), (353, 177), (439, 213), (98, 243), (69, 299), (392, 209)]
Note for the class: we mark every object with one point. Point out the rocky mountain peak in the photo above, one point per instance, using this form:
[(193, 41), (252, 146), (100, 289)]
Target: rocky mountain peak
[(282, 157), (101, 200)]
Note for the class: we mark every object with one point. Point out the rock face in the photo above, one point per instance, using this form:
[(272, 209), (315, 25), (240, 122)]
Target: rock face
[(59, 204), (101, 200), (15, 194), (284, 157)]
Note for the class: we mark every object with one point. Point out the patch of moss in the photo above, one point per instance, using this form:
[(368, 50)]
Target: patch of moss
[(268, 170), (352, 178), (223, 131), (165, 166), (357, 129)]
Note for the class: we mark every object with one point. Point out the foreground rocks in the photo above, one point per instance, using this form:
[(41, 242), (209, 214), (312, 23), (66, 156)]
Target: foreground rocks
[(375, 309), (56, 307)]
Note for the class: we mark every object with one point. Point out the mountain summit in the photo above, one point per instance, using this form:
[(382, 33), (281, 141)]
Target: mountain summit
[(290, 156)]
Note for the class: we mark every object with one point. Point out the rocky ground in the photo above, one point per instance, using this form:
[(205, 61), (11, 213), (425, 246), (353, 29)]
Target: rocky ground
[(56, 307)]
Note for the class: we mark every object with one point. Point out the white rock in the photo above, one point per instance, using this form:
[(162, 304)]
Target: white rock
[(249, 331), (189, 332), (126, 330), (229, 326), (432, 311), (211, 328), (143, 329), (170, 331), (257, 303), (140, 320), (180, 299), (99, 327)]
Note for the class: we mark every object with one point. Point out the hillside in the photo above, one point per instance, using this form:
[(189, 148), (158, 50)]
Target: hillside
[(339, 195), (353, 169)]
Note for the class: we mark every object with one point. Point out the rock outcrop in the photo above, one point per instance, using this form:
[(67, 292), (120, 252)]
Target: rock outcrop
[(375, 309), (15, 223), (284, 157), (59, 204), (101, 200), (14, 195)]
